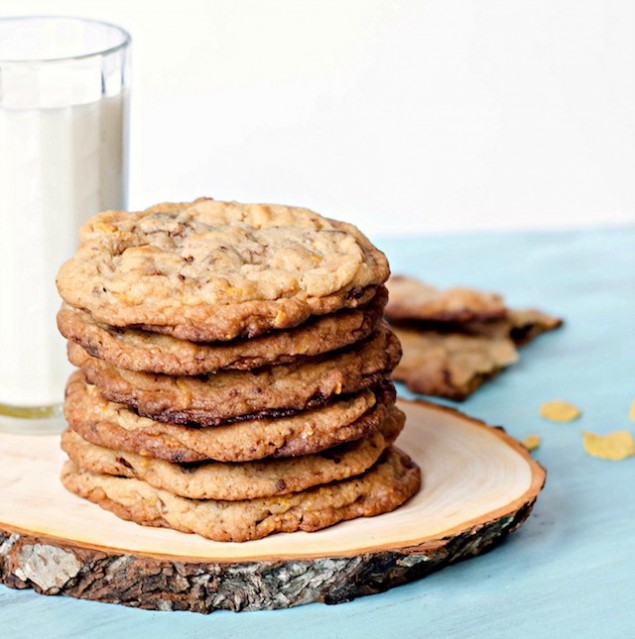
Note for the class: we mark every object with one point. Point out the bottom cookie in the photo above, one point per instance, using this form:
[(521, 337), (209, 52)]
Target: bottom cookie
[(388, 484)]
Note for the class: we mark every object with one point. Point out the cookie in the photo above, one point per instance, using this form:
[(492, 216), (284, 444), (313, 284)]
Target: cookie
[(151, 352), (231, 395), (451, 365), (387, 485), (117, 427), (412, 300), (524, 325), (218, 480), (208, 271)]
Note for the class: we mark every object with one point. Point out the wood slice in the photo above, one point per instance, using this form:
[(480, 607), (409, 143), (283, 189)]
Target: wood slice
[(479, 485)]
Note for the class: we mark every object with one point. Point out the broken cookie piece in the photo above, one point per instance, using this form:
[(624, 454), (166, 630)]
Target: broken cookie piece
[(520, 325), (454, 340), (412, 300), (450, 365)]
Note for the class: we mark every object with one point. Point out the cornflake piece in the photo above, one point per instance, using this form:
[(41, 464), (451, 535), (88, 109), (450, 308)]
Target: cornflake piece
[(614, 446), (531, 442), (559, 411), (632, 412)]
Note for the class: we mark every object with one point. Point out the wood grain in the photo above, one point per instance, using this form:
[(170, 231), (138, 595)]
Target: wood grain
[(479, 485)]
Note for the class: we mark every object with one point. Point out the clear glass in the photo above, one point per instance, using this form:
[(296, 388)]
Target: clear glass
[(64, 93)]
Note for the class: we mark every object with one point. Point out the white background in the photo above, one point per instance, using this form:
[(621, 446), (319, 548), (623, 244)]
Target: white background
[(400, 116)]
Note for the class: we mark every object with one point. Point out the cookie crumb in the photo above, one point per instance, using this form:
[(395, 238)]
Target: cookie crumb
[(559, 411), (613, 446)]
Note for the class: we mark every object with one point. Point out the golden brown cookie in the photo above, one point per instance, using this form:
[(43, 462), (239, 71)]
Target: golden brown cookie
[(218, 480), (138, 350), (116, 426), (451, 365), (388, 484), (208, 271), (521, 326), (230, 395), (524, 325), (413, 300)]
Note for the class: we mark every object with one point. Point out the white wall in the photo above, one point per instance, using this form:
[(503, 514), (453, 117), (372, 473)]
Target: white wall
[(401, 116)]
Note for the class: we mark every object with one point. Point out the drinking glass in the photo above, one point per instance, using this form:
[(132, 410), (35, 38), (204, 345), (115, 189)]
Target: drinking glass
[(64, 94)]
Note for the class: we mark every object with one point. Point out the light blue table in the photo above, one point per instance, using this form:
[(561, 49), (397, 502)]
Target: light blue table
[(570, 570)]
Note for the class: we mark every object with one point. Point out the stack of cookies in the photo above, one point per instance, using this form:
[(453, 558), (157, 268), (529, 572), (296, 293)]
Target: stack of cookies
[(233, 371), (456, 339)]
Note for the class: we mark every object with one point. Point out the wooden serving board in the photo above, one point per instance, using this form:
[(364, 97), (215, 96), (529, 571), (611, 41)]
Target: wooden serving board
[(479, 484)]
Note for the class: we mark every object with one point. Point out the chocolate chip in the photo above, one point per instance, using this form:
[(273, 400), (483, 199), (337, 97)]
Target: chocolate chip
[(190, 467), (124, 462)]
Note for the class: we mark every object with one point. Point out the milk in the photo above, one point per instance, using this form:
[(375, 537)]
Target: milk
[(58, 166)]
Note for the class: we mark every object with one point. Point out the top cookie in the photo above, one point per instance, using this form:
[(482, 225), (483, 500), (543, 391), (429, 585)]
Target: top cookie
[(208, 270), (411, 299)]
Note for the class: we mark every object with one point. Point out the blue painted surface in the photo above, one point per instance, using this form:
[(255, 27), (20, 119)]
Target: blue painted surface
[(570, 571)]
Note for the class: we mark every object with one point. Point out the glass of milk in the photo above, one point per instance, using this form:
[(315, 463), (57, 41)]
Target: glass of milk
[(63, 157)]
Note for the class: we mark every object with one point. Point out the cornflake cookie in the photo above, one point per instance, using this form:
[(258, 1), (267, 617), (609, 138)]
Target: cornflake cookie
[(450, 365), (138, 350), (454, 340), (387, 485), (413, 300), (231, 395), (521, 326), (118, 427), (208, 271), (218, 480)]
